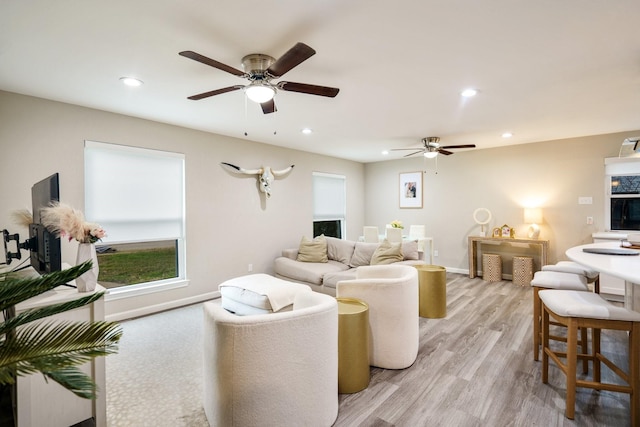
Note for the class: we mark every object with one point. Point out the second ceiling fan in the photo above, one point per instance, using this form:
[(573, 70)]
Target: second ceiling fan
[(432, 147), (260, 69)]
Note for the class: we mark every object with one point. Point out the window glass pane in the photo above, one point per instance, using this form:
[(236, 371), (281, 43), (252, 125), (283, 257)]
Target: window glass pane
[(629, 184), (133, 263)]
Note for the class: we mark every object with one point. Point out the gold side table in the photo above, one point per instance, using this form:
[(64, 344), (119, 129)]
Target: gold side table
[(353, 345), (432, 285)]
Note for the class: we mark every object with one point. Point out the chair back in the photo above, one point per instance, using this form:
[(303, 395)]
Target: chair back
[(371, 234), (394, 235)]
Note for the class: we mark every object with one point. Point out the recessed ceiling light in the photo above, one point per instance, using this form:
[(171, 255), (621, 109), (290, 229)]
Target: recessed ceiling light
[(507, 135), (307, 131), (468, 93), (131, 81), (385, 152)]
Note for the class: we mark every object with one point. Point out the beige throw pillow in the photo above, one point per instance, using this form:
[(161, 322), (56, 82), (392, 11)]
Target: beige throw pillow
[(387, 253), (313, 250)]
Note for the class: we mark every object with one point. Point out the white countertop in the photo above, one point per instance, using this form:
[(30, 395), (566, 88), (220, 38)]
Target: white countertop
[(623, 266)]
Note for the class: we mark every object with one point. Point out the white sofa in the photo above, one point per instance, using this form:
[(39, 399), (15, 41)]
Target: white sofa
[(272, 369), (343, 259)]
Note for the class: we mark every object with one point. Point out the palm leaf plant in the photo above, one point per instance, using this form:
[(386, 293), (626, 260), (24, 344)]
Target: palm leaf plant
[(30, 344)]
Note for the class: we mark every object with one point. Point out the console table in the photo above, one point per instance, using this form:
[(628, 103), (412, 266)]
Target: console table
[(509, 247), (42, 403)]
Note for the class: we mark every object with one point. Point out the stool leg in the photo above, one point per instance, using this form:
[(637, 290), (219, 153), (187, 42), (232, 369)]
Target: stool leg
[(545, 345), (572, 362), (536, 323), (585, 349), (634, 372), (595, 344)]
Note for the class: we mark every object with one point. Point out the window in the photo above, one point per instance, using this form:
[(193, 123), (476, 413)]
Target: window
[(623, 194), (137, 195), (329, 204)]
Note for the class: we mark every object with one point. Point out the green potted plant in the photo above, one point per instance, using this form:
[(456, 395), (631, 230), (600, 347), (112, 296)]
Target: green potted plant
[(30, 343)]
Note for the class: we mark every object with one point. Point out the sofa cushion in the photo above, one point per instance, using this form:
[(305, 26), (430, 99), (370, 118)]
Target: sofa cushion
[(331, 280), (309, 272), (363, 253), (387, 253), (410, 249), (340, 250), (313, 250)]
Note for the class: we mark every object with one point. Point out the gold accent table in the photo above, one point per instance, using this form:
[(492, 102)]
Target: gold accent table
[(432, 288), (353, 345), (506, 247)]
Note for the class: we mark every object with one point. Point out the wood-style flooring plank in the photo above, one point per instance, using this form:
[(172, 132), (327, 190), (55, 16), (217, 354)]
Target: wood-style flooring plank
[(475, 368)]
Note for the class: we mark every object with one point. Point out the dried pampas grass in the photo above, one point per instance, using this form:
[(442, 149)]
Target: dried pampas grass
[(22, 217), (65, 221)]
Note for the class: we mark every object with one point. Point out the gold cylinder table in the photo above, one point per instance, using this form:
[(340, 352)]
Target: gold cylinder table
[(522, 270), (432, 285), (353, 345), (491, 267)]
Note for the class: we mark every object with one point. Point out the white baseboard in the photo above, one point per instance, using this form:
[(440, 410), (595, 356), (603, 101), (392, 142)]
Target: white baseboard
[(144, 311)]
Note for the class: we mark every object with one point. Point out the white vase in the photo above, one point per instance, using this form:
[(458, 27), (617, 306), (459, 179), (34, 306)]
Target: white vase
[(87, 282)]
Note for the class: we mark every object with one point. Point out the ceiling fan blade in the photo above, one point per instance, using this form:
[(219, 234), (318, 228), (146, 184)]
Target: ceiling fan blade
[(402, 149), (460, 146), (445, 152), (215, 92), (309, 89), (292, 58), (213, 63), (411, 154), (269, 107)]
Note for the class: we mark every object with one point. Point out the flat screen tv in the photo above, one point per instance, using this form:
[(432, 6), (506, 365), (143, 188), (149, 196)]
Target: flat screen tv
[(45, 247)]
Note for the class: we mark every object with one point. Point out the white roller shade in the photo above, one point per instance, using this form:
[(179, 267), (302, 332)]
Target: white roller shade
[(135, 194), (329, 196)]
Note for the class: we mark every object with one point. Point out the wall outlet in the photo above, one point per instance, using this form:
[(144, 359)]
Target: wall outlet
[(435, 253), (589, 220), (250, 268)]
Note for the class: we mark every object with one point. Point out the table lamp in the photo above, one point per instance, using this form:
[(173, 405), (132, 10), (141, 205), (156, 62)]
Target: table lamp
[(533, 216)]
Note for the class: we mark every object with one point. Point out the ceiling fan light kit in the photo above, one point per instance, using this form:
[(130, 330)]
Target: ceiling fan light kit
[(260, 92)]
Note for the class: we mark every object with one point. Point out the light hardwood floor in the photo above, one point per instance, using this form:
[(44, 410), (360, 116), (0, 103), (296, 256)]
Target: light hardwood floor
[(475, 368)]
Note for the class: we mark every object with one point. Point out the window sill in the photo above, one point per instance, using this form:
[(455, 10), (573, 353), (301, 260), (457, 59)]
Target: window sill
[(144, 289)]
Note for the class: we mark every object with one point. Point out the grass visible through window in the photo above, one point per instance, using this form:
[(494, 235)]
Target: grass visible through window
[(122, 265)]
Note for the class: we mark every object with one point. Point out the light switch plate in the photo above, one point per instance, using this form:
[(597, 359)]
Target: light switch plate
[(585, 200)]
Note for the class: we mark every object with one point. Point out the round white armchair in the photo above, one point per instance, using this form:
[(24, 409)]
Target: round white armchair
[(391, 291)]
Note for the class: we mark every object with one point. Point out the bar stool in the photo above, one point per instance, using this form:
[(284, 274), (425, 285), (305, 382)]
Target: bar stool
[(554, 280), (576, 309), (593, 276)]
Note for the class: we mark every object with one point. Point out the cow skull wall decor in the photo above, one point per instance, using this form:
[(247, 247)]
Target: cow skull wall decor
[(265, 175)]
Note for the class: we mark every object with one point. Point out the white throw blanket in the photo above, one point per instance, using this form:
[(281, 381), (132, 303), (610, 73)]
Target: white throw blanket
[(279, 292)]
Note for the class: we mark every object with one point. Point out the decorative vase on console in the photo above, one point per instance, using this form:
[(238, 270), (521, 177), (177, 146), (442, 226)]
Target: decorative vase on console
[(65, 221), (87, 282)]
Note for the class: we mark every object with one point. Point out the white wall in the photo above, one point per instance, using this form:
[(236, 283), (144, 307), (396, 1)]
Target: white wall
[(229, 225), (555, 173)]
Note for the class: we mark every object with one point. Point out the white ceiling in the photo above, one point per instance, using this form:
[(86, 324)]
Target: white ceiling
[(544, 69)]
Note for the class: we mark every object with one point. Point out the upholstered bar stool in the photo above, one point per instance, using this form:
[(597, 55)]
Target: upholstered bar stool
[(584, 310), (592, 276), (554, 280)]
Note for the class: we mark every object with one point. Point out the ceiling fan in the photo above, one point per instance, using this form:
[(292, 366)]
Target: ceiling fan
[(432, 147), (260, 69)]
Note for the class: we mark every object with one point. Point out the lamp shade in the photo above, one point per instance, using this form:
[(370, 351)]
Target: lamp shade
[(430, 154), (533, 215)]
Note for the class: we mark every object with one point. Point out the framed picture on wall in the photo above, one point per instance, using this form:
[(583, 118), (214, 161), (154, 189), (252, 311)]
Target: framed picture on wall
[(411, 190)]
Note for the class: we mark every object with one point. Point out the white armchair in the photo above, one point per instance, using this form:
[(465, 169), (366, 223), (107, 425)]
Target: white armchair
[(272, 369), (391, 291)]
